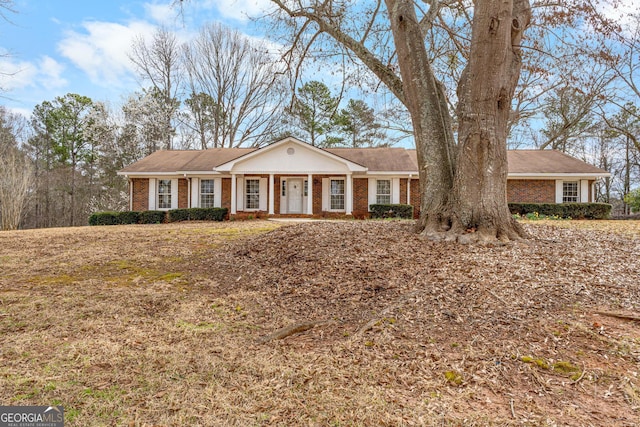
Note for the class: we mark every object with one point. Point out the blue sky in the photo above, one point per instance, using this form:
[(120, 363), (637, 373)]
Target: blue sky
[(54, 47)]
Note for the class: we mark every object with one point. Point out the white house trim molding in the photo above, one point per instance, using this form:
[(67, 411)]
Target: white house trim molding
[(584, 191), (152, 194), (349, 195), (271, 194), (309, 194)]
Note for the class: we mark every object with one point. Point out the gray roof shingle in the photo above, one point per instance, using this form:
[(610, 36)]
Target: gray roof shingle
[(388, 159)]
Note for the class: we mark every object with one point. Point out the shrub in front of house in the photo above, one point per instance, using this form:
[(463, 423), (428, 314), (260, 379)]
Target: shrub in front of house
[(128, 217), (197, 214), (391, 211), (207, 214), (563, 210), (103, 218), (152, 217), (114, 218), (176, 215)]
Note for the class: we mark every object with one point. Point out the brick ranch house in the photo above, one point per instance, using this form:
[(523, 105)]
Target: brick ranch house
[(293, 178)]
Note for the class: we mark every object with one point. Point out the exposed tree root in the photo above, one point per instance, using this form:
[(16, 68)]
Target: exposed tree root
[(397, 303), (620, 315), (296, 328), (509, 232)]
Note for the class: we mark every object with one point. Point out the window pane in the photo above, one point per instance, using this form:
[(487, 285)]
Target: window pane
[(569, 192), (206, 193), (383, 191), (252, 192), (164, 194), (337, 194)]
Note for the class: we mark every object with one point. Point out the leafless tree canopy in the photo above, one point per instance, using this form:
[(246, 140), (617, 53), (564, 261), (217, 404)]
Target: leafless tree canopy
[(158, 62), (242, 82)]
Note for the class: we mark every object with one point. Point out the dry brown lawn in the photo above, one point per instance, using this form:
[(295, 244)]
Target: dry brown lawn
[(176, 325)]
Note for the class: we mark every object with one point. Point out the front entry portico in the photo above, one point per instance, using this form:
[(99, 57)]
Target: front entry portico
[(255, 183)]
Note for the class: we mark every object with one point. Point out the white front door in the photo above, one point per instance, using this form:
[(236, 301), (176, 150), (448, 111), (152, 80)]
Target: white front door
[(294, 194)]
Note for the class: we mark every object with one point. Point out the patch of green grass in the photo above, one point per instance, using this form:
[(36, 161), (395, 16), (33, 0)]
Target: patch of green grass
[(453, 377), (540, 363)]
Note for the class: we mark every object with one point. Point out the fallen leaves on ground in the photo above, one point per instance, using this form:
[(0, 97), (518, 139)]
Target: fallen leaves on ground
[(166, 325)]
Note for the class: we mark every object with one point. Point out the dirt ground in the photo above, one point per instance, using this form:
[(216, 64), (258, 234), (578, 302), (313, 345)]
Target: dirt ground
[(356, 323)]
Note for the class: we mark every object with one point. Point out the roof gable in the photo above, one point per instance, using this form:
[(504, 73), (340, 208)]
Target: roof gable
[(291, 156)]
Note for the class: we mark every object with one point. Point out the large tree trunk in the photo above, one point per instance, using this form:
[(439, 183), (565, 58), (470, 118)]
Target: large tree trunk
[(486, 89), (426, 102), (464, 195)]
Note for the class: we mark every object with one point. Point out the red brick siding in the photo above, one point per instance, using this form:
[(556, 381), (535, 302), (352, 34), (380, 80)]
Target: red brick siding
[(317, 193), (277, 194), (415, 197), (183, 193), (360, 197), (403, 190), (140, 194), (226, 193), (531, 191)]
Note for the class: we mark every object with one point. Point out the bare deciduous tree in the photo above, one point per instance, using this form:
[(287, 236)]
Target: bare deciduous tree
[(158, 62), (243, 82), (463, 185), (16, 172)]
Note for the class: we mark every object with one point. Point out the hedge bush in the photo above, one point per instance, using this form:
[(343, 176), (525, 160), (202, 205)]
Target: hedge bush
[(128, 217), (175, 215), (207, 214), (157, 217), (103, 218), (152, 217), (197, 214), (564, 210), (391, 211)]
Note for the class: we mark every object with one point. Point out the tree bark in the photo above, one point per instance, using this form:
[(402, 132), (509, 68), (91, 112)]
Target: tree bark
[(479, 192), (463, 187), (425, 99)]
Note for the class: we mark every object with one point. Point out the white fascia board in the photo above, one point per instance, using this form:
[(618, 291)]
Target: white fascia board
[(150, 174), (195, 173), (398, 174), (228, 167), (558, 175)]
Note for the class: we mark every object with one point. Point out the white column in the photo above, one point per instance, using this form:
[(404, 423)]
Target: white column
[(234, 190), (188, 191), (349, 195), (271, 194), (309, 194), (130, 194), (558, 191), (409, 190), (584, 190)]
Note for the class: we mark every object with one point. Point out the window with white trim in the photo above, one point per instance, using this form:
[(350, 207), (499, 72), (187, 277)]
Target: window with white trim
[(164, 194), (337, 194), (252, 194), (383, 191), (207, 193), (570, 192)]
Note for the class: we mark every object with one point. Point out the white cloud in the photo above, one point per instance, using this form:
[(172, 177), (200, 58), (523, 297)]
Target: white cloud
[(16, 74), (101, 50), (50, 73), (625, 13), (165, 14), (239, 10)]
